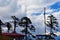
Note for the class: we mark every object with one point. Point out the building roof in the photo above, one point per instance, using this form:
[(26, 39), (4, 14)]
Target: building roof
[(13, 34)]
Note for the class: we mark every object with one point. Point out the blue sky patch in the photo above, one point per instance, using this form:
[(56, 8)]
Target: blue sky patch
[(55, 6), (36, 14)]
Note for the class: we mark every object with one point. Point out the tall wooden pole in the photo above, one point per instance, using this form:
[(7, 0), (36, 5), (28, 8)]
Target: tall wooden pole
[(45, 21)]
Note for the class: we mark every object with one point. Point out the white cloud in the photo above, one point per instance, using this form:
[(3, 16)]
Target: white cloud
[(38, 20), (37, 2), (32, 7), (35, 5), (16, 7), (8, 9)]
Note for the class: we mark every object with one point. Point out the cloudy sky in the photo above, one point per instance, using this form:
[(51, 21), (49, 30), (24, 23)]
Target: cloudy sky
[(32, 9)]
